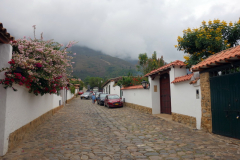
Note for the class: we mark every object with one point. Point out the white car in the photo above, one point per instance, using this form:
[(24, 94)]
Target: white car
[(86, 95)]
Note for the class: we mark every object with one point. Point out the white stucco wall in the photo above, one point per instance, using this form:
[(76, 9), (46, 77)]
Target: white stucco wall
[(23, 107), (5, 57), (138, 96), (113, 89), (69, 94), (178, 72), (184, 101), (155, 96)]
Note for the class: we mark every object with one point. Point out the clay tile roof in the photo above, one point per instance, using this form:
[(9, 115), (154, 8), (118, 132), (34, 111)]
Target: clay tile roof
[(133, 87), (183, 78), (5, 37), (218, 58), (110, 80), (194, 81), (175, 63)]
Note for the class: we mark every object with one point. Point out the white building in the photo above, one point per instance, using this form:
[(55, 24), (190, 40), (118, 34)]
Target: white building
[(111, 87), (170, 92)]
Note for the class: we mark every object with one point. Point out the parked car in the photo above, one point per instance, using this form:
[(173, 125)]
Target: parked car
[(97, 94), (86, 95), (89, 90), (113, 100), (101, 98), (80, 92)]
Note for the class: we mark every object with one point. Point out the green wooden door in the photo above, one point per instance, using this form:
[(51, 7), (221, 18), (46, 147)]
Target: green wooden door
[(225, 103)]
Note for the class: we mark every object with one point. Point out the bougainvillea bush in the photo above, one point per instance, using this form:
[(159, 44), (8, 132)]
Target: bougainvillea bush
[(41, 66)]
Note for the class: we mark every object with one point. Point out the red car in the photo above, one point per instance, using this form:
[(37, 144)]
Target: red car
[(113, 100), (80, 92)]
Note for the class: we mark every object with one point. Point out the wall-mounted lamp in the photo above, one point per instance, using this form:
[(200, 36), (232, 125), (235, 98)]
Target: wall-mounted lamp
[(145, 84)]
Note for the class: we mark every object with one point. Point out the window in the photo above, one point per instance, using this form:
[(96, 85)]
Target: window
[(197, 93)]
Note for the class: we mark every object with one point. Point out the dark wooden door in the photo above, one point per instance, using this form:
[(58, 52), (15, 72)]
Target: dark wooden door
[(225, 105), (165, 97)]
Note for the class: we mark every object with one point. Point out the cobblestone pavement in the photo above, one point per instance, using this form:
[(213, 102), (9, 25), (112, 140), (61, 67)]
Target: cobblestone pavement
[(83, 130)]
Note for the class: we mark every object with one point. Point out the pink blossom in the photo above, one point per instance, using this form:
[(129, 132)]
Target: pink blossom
[(53, 63), (39, 65), (74, 53)]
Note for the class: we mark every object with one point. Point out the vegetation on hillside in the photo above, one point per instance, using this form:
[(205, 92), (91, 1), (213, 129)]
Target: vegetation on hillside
[(89, 62)]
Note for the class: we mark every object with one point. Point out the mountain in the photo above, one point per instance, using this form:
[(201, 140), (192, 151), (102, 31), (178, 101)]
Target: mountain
[(89, 62)]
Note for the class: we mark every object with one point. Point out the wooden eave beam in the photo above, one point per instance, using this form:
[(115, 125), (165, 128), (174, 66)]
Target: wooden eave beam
[(229, 60), (217, 63), (153, 76), (199, 69)]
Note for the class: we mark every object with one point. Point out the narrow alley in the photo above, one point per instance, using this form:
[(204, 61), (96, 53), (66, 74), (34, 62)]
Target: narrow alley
[(82, 130)]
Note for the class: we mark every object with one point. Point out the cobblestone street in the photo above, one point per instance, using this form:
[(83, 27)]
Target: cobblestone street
[(83, 130)]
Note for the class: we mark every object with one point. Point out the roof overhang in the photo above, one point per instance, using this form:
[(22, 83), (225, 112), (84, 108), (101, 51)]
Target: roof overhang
[(159, 73), (215, 64), (5, 37)]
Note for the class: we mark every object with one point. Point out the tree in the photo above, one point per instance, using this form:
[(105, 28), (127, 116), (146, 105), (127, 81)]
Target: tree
[(145, 64), (94, 82), (207, 40)]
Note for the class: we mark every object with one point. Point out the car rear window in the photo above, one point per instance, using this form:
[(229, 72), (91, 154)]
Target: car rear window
[(113, 97)]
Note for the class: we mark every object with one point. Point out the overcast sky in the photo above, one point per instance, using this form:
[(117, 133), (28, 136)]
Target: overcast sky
[(122, 28)]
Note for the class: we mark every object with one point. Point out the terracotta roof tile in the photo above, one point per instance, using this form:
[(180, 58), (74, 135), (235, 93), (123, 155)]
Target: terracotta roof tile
[(5, 37), (183, 78), (110, 80), (230, 53), (175, 63), (194, 81), (133, 87)]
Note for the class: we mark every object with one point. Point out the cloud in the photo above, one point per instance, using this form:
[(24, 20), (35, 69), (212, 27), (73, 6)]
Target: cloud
[(118, 28)]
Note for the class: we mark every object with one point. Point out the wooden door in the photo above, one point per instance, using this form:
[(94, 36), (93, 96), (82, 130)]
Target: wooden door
[(165, 97)]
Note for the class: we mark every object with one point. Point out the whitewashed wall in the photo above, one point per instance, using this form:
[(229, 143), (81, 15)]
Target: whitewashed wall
[(5, 57), (19, 108), (138, 96), (23, 107), (184, 100), (178, 72), (155, 96), (69, 94), (113, 89)]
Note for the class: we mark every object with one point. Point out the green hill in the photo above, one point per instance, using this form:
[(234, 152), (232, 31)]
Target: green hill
[(89, 62)]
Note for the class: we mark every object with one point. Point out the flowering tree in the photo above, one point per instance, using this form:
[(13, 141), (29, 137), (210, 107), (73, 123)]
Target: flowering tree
[(42, 66), (209, 39)]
